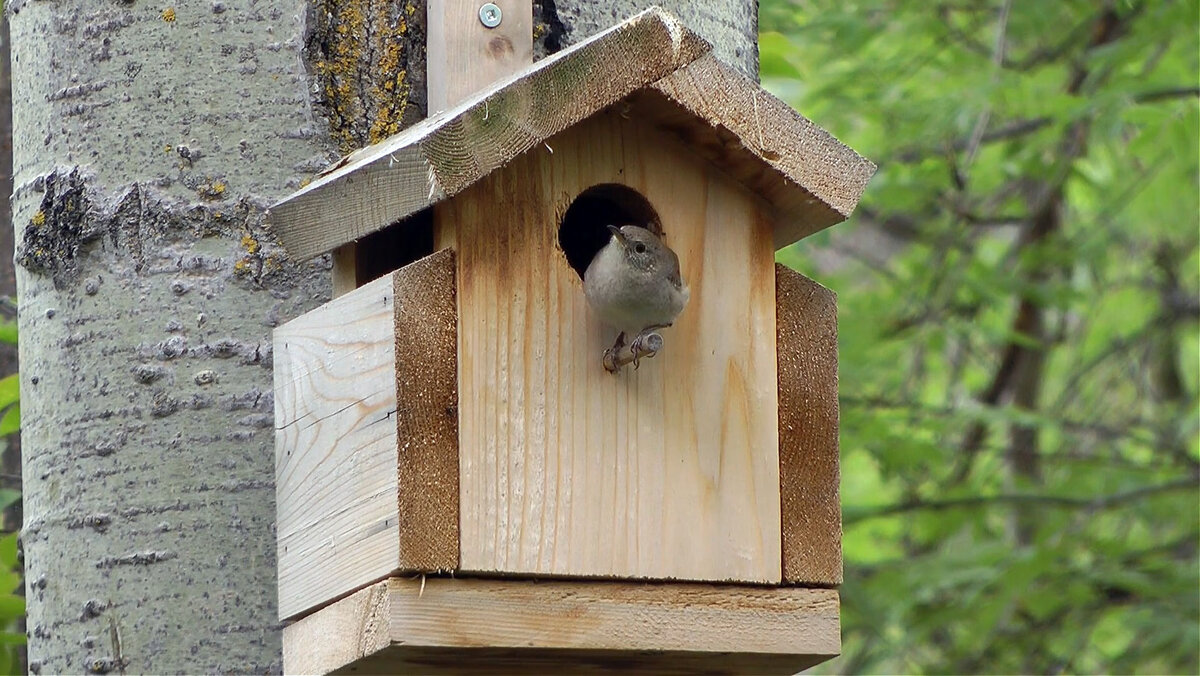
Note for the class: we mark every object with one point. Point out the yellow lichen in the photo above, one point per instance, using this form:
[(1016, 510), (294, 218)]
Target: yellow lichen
[(39, 218), (211, 189), (304, 182), (241, 267), (168, 148), (250, 244), (362, 69), (168, 14)]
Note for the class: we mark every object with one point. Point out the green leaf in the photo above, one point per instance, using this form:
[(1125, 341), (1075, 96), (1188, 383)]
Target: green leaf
[(10, 390), (8, 497), (8, 549), (11, 420), (11, 606)]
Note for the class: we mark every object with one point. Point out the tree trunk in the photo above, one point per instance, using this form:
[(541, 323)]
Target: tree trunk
[(148, 140)]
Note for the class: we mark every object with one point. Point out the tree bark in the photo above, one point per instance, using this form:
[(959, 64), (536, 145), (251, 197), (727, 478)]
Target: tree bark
[(730, 25), (148, 140)]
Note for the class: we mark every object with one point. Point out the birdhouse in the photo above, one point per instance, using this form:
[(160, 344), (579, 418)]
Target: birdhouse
[(459, 477)]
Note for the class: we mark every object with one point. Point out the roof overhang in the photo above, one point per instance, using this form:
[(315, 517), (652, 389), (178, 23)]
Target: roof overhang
[(665, 71)]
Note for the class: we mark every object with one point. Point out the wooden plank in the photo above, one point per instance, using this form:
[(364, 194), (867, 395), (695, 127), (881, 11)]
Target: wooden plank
[(669, 471), (806, 327), (442, 625), (464, 56), (335, 448), (427, 415), (812, 179), (445, 153), (345, 269), (365, 487)]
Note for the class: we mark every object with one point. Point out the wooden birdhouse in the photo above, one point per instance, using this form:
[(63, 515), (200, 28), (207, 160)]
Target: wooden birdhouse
[(461, 481)]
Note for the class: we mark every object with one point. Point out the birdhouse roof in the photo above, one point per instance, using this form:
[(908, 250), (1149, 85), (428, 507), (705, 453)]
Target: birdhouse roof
[(660, 71)]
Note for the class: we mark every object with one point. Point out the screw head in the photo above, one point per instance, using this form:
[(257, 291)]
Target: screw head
[(490, 15)]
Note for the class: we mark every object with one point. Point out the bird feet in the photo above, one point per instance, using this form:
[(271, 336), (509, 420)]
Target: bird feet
[(612, 355), (645, 345)]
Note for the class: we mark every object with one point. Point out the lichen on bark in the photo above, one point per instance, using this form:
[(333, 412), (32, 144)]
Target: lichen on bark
[(367, 58)]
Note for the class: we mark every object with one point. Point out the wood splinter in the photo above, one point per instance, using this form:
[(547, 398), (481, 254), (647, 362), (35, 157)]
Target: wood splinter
[(649, 346)]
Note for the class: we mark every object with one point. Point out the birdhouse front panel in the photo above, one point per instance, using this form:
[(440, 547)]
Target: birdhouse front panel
[(667, 470)]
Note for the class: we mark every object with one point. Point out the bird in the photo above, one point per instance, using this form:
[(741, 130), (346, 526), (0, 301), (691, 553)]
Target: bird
[(634, 285)]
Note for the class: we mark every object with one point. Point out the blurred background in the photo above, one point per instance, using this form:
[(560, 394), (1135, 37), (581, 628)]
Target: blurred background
[(1019, 297), (1019, 302)]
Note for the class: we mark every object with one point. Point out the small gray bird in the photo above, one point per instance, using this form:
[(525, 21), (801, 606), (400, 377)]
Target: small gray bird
[(634, 285)]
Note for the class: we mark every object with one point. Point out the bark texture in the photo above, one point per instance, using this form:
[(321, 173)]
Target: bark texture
[(730, 25), (148, 139)]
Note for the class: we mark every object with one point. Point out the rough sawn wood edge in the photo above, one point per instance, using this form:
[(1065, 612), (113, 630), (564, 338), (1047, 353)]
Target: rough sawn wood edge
[(811, 179), (427, 413), (446, 625), (810, 506), (444, 154)]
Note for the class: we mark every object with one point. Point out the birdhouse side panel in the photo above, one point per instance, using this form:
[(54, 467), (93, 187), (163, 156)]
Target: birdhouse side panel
[(335, 447), (667, 471)]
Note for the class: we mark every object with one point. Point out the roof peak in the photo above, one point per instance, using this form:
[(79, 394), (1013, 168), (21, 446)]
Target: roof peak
[(653, 60)]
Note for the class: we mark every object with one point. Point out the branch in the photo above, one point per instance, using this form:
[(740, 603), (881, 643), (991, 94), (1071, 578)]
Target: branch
[(1057, 501), (1166, 94), (1026, 126), (1008, 131)]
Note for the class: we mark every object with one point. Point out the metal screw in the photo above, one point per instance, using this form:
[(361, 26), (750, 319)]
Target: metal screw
[(490, 15)]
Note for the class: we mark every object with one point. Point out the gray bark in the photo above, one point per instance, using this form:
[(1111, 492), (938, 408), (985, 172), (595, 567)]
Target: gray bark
[(147, 143), (730, 25)]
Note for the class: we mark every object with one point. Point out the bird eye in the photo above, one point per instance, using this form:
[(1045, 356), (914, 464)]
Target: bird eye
[(639, 247)]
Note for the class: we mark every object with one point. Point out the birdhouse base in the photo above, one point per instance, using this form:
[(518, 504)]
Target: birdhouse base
[(499, 626)]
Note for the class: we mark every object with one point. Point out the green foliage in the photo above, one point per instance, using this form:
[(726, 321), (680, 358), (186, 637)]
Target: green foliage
[(12, 605), (1019, 296), (10, 405)]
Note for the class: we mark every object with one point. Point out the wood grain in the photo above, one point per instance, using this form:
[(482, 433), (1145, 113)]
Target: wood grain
[(809, 477), (335, 447), (365, 487), (442, 625), (464, 56), (427, 412), (810, 178), (345, 269), (445, 153), (669, 471)]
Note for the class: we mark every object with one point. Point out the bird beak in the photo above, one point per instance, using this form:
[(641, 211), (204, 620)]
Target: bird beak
[(617, 235)]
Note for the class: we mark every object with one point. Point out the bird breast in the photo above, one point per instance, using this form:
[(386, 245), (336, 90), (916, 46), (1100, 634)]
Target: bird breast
[(628, 298)]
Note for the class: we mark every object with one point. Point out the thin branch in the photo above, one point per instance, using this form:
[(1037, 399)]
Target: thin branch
[(1056, 501), (1008, 131), (1166, 94), (981, 124), (1027, 126)]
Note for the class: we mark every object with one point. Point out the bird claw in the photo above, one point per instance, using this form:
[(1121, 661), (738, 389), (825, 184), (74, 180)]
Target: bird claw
[(611, 355), (636, 348)]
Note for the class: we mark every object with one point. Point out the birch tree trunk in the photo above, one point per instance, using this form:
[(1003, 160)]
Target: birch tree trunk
[(148, 138)]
